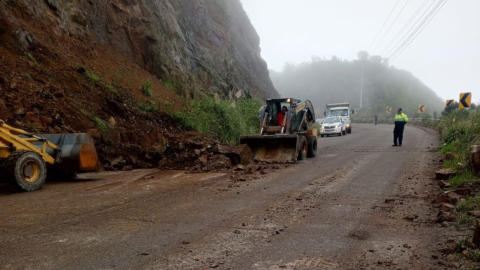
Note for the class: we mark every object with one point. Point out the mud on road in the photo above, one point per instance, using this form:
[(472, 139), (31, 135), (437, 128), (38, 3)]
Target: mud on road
[(360, 204)]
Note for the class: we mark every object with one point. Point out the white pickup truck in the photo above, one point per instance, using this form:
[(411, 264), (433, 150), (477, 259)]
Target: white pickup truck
[(341, 110)]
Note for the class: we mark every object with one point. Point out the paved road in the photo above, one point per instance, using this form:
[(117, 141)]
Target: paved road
[(359, 204)]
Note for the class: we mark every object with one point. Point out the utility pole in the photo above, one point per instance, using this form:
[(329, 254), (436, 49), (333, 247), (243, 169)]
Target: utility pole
[(361, 87)]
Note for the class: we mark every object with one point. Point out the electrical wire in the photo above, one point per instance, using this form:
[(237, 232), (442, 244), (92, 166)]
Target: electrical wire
[(425, 25), (395, 37), (373, 41), (388, 30), (409, 33)]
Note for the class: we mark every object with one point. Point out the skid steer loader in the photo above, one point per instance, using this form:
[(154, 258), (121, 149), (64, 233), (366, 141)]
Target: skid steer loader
[(289, 141), (24, 156)]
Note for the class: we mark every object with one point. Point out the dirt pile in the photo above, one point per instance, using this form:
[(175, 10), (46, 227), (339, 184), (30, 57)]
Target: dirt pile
[(103, 68)]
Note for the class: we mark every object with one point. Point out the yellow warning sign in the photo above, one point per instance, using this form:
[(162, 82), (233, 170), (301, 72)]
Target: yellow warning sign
[(388, 109), (449, 102), (421, 109), (465, 100)]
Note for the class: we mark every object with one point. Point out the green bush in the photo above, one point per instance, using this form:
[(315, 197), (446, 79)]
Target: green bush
[(100, 123), (221, 119), (459, 131), (92, 76), (147, 88)]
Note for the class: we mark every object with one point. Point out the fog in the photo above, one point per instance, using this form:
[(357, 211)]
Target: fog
[(444, 56)]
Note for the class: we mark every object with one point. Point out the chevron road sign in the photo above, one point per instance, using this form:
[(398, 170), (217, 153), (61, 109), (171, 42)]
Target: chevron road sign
[(388, 109), (421, 108), (449, 102), (465, 100)]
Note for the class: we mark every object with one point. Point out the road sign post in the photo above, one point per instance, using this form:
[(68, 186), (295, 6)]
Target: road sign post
[(388, 110)]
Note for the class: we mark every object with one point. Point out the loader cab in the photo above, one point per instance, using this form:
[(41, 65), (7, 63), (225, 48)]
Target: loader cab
[(274, 107)]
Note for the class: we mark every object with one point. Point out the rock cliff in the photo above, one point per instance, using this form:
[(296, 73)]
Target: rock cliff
[(199, 46)]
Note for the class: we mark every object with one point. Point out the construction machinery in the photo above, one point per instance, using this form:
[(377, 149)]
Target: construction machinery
[(288, 141), (24, 157)]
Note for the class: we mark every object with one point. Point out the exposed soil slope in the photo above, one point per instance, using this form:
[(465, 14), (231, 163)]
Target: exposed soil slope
[(78, 66)]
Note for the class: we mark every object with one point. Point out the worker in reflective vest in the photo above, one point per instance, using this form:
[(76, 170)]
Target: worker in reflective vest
[(401, 120)]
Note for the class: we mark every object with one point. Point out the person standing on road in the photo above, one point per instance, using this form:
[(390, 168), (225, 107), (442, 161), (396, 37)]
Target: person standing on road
[(401, 120), (376, 119)]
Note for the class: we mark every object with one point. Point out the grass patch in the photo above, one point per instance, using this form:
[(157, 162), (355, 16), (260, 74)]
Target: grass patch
[(26, 76), (168, 83), (100, 123), (222, 120), (470, 204), (110, 87), (92, 76), (464, 219), (464, 179), (153, 107), (474, 255), (147, 88)]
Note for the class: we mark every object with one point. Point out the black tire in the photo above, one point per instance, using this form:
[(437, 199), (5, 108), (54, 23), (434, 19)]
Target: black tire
[(302, 152), (25, 170), (349, 131), (312, 146), (322, 136)]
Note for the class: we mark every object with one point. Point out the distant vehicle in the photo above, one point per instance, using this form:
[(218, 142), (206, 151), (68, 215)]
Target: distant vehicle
[(333, 126), (341, 110)]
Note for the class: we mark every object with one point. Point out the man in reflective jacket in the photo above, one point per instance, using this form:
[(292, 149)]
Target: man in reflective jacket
[(401, 120)]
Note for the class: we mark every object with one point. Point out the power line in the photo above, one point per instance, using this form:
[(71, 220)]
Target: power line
[(394, 21), (395, 37), (417, 31), (405, 39), (383, 24), (438, 9)]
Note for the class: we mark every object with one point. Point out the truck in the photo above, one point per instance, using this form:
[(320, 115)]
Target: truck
[(291, 140), (341, 110)]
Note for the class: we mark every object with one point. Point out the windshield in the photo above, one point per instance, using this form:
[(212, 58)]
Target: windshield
[(339, 112), (331, 120)]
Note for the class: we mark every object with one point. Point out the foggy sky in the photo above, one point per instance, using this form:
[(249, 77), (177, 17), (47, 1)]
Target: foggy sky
[(445, 55)]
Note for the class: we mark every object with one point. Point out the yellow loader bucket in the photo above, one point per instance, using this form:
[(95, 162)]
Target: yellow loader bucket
[(272, 148), (77, 151)]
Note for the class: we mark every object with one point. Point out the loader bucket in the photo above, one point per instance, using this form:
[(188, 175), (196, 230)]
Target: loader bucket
[(77, 151), (272, 148)]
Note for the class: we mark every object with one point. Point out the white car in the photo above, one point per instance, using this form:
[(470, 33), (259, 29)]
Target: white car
[(333, 126)]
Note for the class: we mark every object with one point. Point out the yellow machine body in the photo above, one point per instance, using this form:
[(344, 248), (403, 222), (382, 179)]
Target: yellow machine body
[(23, 155)]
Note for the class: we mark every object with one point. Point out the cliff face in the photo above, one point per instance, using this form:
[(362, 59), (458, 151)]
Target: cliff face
[(202, 46)]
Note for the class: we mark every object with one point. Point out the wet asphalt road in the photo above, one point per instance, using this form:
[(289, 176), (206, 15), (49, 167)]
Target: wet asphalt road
[(311, 215)]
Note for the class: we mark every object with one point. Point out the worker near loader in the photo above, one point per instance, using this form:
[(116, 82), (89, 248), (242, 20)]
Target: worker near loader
[(401, 120), (281, 115)]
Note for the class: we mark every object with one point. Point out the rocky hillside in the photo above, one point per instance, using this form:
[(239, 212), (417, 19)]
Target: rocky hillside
[(120, 67), (201, 46)]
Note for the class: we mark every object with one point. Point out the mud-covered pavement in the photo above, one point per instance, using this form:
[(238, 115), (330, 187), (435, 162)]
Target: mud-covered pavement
[(360, 204)]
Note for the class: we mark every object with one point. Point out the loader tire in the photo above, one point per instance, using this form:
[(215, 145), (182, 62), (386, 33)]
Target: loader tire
[(302, 152), (25, 170), (312, 146)]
